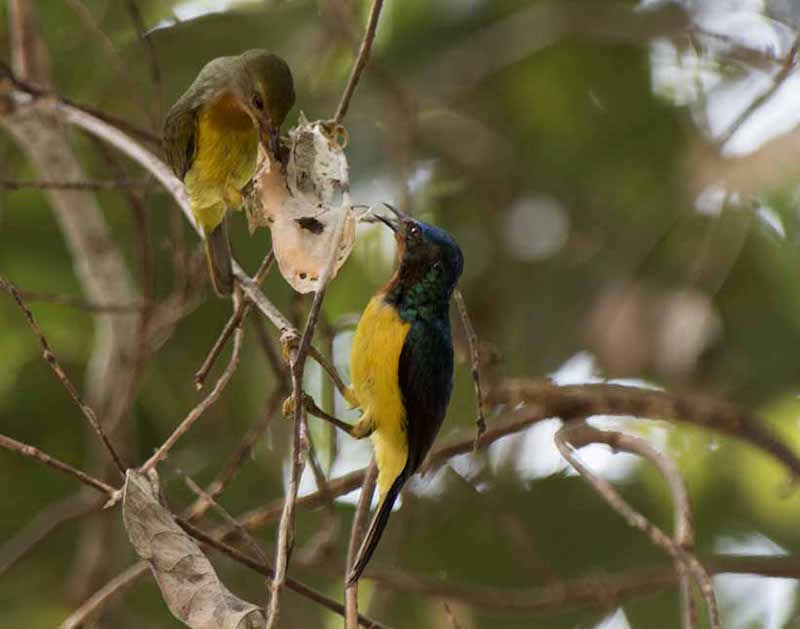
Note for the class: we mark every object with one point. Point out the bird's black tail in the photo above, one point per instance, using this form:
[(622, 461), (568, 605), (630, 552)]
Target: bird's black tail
[(218, 252), (376, 527)]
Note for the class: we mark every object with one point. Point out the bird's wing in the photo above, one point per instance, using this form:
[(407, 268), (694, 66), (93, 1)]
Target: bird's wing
[(426, 381), (180, 129), (425, 375)]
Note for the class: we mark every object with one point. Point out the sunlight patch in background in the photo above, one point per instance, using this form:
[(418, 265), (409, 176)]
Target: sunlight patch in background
[(721, 91), (536, 228), (753, 601), (617, 620)]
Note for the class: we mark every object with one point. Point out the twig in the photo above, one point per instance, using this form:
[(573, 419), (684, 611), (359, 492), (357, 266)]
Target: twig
[(201, 494), (543, 400), (95, 602), (581, 434), (356, 534), (205, 403), (475, 361), (87, 411), (361, 61), (24, 449), (79, 302), (240, 455), (155, 70), (778, 81), (683, 533), (38, 93), (43, 524), (326, 365), (599, 591), (240, 313), (111, 184), (292, 584), (297, 360)]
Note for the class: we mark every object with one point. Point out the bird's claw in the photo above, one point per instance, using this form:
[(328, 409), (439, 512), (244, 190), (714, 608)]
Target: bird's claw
[(289, 344), (288, 404)]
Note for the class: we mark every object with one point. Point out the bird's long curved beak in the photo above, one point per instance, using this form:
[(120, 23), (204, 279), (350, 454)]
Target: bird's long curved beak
[(396, 224), (386, 222)]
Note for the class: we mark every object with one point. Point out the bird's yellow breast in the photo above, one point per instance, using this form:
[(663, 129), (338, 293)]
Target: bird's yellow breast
[(374, 360), (226, 149)]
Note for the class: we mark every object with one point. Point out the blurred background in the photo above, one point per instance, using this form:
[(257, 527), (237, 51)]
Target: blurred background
[(622, 179)]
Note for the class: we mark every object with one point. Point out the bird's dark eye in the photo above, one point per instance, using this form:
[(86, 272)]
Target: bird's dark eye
[(257, 102), (413, 230)]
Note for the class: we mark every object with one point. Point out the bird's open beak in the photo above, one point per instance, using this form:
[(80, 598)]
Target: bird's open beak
[(393, 224)]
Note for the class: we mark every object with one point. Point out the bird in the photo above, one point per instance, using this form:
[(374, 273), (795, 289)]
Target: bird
[(401, 364), (211, 136)]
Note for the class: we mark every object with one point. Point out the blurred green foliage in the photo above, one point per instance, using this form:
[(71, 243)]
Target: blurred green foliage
[(574, 120)]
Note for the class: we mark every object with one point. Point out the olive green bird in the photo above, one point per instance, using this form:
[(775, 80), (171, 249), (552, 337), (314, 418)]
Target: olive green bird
[(211, 137)]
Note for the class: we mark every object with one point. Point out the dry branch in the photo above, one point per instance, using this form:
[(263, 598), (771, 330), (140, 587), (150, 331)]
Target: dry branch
[(87, 411), (356, 534), (577, 435), (361, 61), (24, 449)]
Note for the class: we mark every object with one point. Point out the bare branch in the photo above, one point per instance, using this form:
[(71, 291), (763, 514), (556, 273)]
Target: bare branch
[(198, 410), (297, 360), (581, 434), (240, 313), (111, 184), (94, 603), (361, 61), (24, 449), (292, 584), (43, 524), (475, 361), (9, 288), (356, 534)]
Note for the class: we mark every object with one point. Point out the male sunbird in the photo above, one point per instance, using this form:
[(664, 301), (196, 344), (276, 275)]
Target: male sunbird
[(211, 137), (401, 364)]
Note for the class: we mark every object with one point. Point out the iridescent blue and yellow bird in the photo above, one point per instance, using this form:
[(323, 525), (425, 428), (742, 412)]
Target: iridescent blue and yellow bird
[(211, 137), (401, 364)]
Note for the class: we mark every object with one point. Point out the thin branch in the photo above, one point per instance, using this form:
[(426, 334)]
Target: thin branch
[(204, 404), (328, 367), (361, 61), (683, 532), (80, 302), (599, 591), (155, 70), (240, 313), (542, 399), (356, 534), (777, 83), (43, 524), (581, 434), (24, 449), (297, 360), (264, 569), (37, 93), (202, 495), (475, 361), (87, 411), (95, 602), (110, 184), (239, 457)]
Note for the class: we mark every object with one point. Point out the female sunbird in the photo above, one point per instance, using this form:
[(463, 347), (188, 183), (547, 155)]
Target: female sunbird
[(211, 137), (401, 364)]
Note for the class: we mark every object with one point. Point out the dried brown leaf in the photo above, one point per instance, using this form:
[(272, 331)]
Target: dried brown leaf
[(187, 580)]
